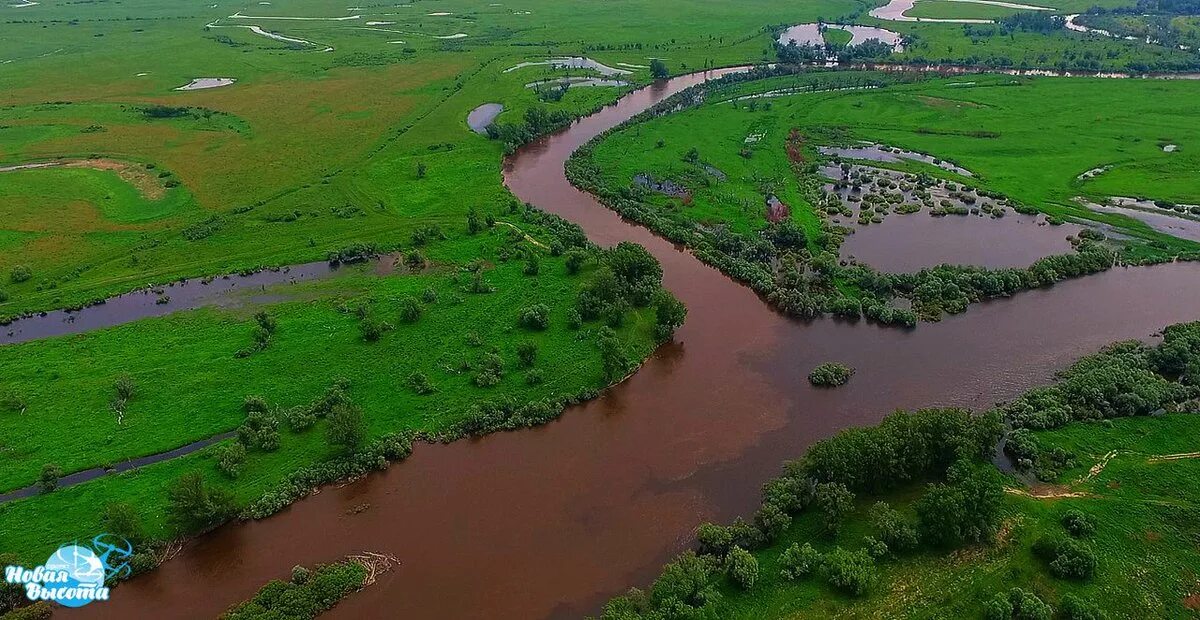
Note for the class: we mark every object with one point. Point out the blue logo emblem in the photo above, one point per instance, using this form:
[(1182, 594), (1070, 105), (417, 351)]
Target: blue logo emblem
[(75, 575)]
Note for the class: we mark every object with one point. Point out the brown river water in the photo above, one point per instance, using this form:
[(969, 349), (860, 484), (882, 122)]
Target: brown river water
[(550, 522)]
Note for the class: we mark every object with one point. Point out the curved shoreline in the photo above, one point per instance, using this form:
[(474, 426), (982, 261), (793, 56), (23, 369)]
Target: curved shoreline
[(551, 522)]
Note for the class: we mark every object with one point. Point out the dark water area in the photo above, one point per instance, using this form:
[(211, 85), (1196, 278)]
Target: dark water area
[(156, 301), (551, 522), (908, 243)]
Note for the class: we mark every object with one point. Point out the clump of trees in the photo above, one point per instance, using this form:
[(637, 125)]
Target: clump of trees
[(537, 121), (309, 593), (947, 444), (830, 374)]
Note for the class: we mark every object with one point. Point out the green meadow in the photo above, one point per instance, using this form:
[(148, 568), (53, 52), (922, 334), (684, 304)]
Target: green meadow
[(981, 123)]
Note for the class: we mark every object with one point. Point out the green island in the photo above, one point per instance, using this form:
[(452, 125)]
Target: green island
[(1092, 514), (248, 251)]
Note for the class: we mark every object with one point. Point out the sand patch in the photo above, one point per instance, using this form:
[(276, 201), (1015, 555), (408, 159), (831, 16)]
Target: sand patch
[(137, 175)]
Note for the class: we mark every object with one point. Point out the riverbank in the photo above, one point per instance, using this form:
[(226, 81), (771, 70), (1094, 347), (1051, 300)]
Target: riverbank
[(733, 383)]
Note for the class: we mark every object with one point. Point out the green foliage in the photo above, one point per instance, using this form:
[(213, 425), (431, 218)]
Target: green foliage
[(419, 382), (830, 374), (852, 572), (834, 501), (48, 480), (347, 428), (742, 568), (232, 459), (122, 520), (194, 505), (1017, 604), (410, 309), (1067, 558), (260, 431), (893, 528), (527, 353), (964, 509), (612, 355), (1076, 608), (1078, 523), (798, 562), (19, 274), (659, 69), (307, 595), (536, 317)]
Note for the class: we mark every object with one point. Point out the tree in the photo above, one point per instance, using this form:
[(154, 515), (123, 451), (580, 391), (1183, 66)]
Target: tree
[(121, 520), (19, 274), (536, 317), (799, 562), (347, 427), (894, 530), (965, 510), (574, 260), (742, 567), (421, 170), (1078, 523), (194, 506), (686, 583), (611, 356), (1076, 608), (474, 223), (48, 479), (834, 501), (231, 459), (659, 69), (410, 309), (669, 314), (1017, 604), (1067, 558), (852, 572)]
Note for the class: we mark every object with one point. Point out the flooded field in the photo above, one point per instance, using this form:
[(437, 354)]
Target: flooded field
[(811, 34), (1184, 224), (550, 522)]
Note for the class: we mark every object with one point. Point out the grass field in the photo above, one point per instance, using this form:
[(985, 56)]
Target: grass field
[(981, 123), (349, 126), (191, 383)]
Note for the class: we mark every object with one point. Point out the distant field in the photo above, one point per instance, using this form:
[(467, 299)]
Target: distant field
[(959, 10), (982, 123)]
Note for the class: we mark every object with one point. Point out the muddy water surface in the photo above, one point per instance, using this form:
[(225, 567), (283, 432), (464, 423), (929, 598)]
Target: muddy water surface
[(550, 522)]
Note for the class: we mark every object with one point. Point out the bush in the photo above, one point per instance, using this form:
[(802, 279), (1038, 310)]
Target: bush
[(1017, 604), (741, 567), (430, 296), (20, 273), (259, 431), (194, 506), (894, 530), (798, 562), (852, 572), (122, 520), (1067, 558), (347, 427), (534, 377), (536, 317), (231, 459), (306, 596), (685, 584), (574, 260), (1078, 523), (1075, 608), (410, 309), (612, 357), (834, 501), (527, 353), (419, 382), (48, 479), (830, 374)]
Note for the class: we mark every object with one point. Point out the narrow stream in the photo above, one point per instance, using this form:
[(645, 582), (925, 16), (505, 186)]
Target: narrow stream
[(551, 522)]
